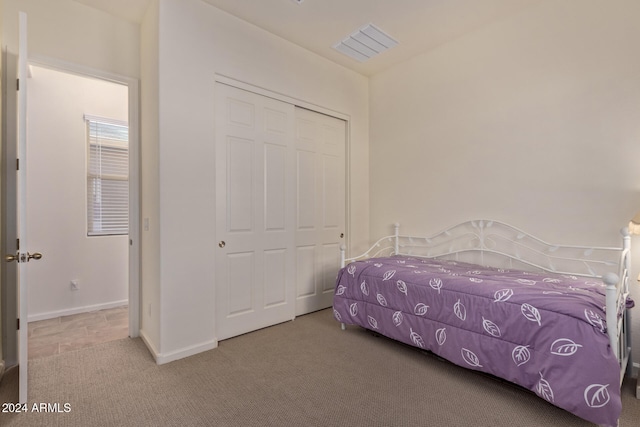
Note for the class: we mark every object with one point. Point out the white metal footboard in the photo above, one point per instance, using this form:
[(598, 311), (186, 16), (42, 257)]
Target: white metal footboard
[(497, 244)]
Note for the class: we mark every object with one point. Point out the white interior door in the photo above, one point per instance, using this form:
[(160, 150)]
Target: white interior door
[(320, 223), (22, 256), (255, 194)]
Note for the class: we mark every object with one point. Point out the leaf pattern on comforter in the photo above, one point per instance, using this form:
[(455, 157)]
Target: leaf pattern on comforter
[(544, 332)]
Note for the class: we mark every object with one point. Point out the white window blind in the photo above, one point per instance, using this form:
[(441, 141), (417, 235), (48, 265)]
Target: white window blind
[(107, 177)]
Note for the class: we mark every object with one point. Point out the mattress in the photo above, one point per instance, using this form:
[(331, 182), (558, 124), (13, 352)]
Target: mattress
[(545, 332)]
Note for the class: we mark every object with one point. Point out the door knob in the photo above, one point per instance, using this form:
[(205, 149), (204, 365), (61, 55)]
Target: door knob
[(35, 255), (23, 257), (222, 244)]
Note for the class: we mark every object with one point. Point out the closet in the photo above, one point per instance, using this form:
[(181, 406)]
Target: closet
[(280, 209)]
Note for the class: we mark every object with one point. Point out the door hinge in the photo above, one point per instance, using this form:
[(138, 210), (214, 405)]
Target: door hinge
[(17, 164), (18, 244), (17, 84), (18, 323)]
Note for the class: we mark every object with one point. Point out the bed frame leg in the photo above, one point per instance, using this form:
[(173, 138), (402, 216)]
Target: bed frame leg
[(343, 326)]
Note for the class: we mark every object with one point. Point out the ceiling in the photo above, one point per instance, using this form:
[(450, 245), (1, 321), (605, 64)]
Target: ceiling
[(317, 25)]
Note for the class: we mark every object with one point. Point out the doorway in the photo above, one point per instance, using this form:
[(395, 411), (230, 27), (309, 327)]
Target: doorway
[(77, 210)]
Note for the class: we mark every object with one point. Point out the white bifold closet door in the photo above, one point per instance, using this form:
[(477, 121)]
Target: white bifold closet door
[(320, 213), (280, 210)]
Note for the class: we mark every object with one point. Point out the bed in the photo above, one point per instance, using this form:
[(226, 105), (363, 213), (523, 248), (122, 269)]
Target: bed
[(490, 297)]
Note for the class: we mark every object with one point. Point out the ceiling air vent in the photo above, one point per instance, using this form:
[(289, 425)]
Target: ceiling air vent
[(365, 43)]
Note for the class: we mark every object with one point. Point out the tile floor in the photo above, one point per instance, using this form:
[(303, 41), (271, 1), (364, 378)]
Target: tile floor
[(67, 333)]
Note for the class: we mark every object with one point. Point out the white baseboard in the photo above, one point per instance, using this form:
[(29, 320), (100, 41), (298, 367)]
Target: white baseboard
[(152, 349), (70, 311), (186, 352), (161, 359), (635, 371)]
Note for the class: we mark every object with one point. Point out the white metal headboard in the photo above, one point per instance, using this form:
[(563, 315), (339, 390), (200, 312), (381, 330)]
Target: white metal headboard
[(494, 243)]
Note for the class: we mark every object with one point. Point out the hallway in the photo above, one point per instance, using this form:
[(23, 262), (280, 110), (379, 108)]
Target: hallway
[(68, 333)]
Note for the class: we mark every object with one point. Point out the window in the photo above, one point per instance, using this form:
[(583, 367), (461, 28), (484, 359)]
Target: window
[(107, 177)]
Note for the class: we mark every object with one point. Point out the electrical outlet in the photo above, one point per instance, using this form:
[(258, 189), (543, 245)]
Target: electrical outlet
[(74, 285)]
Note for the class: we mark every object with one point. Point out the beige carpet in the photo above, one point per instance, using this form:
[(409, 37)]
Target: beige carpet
[(302, 373)]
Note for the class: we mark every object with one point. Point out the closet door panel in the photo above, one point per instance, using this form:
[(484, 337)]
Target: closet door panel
[(240, 153), (275, 277), (306, 271), (306, 185), (332, 192), (255, 203), (320, 147), (330, 265), (275, 187), (240, 269)]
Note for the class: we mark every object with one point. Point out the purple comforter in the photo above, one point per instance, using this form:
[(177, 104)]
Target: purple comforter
[(544, 332)]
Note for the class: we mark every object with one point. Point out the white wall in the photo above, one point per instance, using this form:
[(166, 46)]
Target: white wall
[(195, 42), (56, 197), (72, 32), (532, 120)]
